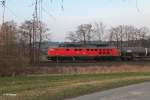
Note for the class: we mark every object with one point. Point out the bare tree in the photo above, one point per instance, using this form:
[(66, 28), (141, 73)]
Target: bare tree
[(32, 40), (72, 36), (143, 33), (99, 30), (116, 34), (26, 39), (125, 35), (83, 34), (8, 37)]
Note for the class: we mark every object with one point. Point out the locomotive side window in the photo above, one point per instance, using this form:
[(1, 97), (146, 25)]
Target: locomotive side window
[(104, 51), (108, 50), (76, 50), (67, 49)]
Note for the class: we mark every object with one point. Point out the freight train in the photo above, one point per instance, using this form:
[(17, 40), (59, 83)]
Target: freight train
[(75, 52)]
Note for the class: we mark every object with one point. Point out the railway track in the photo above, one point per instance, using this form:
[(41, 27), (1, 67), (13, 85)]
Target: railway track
[(93, 63)]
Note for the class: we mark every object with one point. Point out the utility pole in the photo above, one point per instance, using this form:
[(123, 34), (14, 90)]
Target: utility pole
[(35, 54), (3, 2), (33, 49), (37, 30), (2, 33)]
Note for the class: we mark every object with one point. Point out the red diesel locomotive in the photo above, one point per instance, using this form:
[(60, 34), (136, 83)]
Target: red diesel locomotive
[(82, 52)]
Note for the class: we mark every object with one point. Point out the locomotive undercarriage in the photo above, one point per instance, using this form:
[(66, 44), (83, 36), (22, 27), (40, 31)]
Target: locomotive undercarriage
[(99, 58), (82, 58)]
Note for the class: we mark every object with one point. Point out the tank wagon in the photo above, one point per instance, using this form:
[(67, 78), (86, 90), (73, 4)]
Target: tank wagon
[(129, 53)]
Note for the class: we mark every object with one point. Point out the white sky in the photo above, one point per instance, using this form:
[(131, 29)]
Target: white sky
[(76, 12)]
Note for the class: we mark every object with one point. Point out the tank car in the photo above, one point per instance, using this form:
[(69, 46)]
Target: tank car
[(129, 53)]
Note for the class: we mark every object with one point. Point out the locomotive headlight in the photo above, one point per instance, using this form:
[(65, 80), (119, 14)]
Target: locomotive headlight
[(51, 49)]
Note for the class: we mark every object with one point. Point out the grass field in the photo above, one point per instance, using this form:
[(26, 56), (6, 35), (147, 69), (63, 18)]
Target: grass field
[(59, 87)]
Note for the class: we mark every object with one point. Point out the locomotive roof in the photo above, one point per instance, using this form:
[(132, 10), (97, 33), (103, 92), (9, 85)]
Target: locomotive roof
[(79, 45)]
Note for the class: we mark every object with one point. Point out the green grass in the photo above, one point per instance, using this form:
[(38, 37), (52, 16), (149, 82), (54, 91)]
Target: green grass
[(58, 87)]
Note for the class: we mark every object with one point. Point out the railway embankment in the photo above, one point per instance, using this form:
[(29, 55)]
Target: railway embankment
[(58, 81), (77, 68)]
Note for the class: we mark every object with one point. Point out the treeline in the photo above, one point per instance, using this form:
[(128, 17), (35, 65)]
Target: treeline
[(119, 36), (20, 45)]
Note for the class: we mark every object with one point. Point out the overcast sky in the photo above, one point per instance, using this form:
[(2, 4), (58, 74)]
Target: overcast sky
[(76, 12)]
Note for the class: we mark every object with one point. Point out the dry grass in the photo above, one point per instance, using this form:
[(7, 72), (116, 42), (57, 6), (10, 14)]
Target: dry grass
[(98, 69), (113, 68), (101, 67), (94, 69), (9, 71)]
